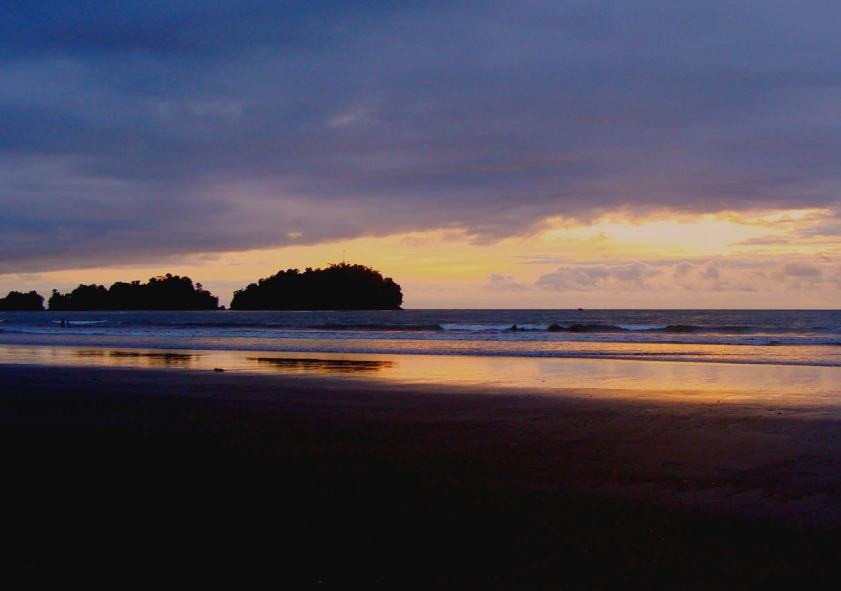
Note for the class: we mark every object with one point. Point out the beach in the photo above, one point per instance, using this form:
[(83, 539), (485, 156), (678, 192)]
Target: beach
[(420, 295), (324, 478)]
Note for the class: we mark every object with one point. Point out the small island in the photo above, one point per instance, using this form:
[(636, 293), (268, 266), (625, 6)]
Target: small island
[(167, 292), (22, 302), (338, 287)]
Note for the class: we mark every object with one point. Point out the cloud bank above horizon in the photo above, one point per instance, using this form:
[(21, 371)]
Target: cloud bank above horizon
[(137, 132)]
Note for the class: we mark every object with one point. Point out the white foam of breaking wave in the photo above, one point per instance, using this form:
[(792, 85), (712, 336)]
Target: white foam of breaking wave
[(476, 327), (638, 327), (492, 327)]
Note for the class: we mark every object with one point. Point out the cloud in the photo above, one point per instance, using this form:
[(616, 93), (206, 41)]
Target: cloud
[(765, 241), (827, 227), (751, 274), (712, 270), (134, 134), (500, 282), (800, 270), (540, 259), (716, 275), (587, 277)]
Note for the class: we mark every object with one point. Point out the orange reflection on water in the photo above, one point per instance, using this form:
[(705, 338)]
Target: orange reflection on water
[(347, 366), (132, 358), (713, 382), (155, 359)]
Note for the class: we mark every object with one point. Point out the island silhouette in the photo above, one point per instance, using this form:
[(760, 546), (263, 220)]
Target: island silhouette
[(22, 302), (165, 292), (338, 287)]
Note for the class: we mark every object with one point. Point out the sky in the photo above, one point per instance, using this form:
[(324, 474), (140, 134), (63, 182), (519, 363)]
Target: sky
[(490, 154)]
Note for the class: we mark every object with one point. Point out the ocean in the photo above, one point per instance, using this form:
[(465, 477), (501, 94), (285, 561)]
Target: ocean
[(775, 337)]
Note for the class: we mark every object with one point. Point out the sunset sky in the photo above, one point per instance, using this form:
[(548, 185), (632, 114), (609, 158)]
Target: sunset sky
[(489, 154)]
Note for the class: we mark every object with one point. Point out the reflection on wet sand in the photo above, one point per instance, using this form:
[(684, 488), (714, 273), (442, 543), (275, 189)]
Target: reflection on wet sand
[(166, 359), (134, 358), (780, 385), (323, 365)]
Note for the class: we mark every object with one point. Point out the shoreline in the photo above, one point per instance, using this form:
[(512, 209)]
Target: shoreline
[(762, 354), (479, 488), (792, 386)]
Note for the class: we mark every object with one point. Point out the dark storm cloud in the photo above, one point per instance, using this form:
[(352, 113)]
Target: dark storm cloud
[(132, 131)]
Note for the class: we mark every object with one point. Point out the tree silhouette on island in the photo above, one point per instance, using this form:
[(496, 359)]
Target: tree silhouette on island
[(22, 302), (167, 292), (338, 287)]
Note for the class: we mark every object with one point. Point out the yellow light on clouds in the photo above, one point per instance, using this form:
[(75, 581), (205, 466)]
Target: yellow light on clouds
[(455, 266)]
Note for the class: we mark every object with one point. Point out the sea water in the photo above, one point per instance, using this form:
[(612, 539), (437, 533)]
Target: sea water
[(769, 337)]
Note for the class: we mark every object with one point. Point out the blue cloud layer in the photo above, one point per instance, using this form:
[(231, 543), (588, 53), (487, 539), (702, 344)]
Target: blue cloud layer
[(131, 131)]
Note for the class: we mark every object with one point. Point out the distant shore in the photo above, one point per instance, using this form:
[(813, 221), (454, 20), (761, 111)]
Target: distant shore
[(332, 480)]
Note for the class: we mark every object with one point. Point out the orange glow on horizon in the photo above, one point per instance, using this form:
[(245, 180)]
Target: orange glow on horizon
[(437, 267)]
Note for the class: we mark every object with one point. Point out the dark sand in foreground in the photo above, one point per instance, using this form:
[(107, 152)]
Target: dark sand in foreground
[(320, 481)]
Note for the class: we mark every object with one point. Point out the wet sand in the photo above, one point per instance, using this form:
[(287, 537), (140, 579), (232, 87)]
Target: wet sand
[(323, 481)]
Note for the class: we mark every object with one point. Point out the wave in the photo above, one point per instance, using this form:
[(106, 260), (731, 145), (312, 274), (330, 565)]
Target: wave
[(598, 328), (232, 325), (338, 326), (464, 325), (382, 327), (478, 327)]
